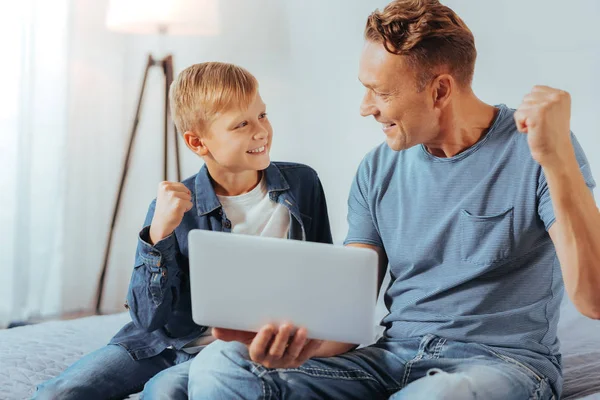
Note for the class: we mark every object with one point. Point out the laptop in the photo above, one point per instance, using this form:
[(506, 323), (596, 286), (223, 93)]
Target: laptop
[(244, 282)]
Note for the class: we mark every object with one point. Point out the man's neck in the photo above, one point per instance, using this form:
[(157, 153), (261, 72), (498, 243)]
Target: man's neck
[(464, 122)]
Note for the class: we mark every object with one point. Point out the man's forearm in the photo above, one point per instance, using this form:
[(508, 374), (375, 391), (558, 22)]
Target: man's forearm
[(577, 234), (331, 349)]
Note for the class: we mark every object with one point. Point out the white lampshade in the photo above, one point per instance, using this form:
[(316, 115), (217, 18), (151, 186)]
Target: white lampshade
[(183, 17)]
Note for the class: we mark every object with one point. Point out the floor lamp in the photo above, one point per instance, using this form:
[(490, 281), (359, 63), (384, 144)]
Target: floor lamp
[(183, 17)]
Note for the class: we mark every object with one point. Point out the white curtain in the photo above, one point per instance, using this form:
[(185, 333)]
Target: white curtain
[(33, 132)]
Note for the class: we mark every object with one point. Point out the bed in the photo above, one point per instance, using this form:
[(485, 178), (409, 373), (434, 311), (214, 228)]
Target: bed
[(32, 354)]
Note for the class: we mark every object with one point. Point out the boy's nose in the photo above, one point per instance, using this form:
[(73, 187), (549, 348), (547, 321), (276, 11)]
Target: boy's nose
[(261, 134)]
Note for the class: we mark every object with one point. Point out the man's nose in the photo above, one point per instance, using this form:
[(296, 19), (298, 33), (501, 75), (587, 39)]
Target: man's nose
[(367, 107)]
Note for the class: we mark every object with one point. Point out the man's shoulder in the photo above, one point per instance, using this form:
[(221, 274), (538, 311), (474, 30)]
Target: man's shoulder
[(504, 129)]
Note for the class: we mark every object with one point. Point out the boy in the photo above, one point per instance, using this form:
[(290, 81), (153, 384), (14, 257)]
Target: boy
[(218, 109)]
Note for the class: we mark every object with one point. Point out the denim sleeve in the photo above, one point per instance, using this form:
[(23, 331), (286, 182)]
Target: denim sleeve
[(361, 224), (545, 208), (320, 226), (150, 296)]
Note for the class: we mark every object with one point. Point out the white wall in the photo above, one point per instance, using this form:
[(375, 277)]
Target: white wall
[(305, 54), (549, 42)]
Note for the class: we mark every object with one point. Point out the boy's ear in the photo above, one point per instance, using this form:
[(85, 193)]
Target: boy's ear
[(195, 143)]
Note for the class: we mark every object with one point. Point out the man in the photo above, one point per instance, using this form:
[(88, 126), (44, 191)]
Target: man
[(481, 211)]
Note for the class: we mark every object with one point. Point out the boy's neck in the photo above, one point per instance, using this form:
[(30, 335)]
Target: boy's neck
[(234, 183)]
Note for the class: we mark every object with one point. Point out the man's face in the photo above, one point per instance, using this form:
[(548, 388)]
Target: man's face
[(408, 117), (240, 140)]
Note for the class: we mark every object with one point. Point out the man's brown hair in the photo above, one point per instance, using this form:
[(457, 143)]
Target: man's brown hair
[(429, 34)]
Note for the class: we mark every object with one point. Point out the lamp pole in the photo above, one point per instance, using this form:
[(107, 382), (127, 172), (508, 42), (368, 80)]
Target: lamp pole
[(166, 65)]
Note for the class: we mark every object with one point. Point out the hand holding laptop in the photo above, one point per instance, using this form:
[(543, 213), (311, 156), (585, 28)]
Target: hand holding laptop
[(273, 347)]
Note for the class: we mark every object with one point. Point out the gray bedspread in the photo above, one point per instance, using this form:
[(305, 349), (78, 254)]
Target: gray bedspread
[(580, 347), (32, 354)]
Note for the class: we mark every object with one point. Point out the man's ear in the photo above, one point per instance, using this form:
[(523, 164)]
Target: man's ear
[(195, 143), (442, 89)]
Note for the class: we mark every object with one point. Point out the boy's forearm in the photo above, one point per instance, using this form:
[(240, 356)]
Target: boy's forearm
[(154, 274)]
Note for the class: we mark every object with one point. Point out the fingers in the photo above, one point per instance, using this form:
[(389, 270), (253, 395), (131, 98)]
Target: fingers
[(280, 344), (180, 205), (178, 194), (542, 89), (521, 121), (297, 344), (182, 200), (280, 348), (528, 108), (173, 187), (258, 348), (532, 98), (544, 95)]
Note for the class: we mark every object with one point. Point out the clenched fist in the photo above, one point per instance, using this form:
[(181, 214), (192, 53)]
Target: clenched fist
[(172, 202), (545, 116)]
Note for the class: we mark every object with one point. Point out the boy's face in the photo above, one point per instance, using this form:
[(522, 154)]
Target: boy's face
[(240, 140)]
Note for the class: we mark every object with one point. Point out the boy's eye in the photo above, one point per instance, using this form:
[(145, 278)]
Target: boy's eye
[(262, 115), (241, 125)]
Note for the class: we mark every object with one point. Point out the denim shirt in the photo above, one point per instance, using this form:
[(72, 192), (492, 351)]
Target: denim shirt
[(158, 298)]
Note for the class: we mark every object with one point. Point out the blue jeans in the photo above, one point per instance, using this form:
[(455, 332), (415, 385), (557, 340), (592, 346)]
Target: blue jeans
[(111, 373), (420, 368)]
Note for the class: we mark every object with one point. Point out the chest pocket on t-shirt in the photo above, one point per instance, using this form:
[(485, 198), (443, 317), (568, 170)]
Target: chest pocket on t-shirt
[(486, 239)]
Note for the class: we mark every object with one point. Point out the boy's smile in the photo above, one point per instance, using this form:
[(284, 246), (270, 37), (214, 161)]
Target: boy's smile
[(259, 150)]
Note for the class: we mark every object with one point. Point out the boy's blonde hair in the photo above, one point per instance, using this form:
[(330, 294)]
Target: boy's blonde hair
[(201, 91)]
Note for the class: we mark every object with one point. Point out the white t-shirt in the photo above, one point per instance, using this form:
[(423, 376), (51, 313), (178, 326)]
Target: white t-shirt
[(252, 213)]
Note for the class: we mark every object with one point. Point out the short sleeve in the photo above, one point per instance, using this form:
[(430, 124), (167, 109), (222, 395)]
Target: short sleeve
[(361, 224), (545, 208)]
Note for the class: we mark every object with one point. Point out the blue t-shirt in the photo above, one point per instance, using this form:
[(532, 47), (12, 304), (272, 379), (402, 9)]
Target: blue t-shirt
[(469, 254)]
